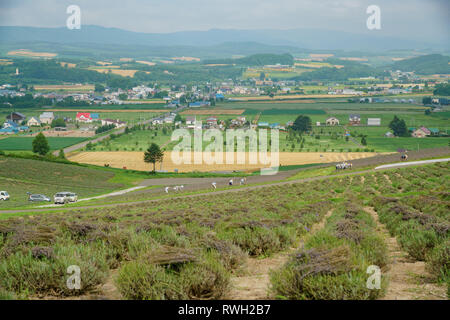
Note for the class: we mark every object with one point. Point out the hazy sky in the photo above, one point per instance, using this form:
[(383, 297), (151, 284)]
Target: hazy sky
[(424, 19)]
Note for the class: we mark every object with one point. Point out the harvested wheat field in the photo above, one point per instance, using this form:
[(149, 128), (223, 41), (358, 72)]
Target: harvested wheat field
[(29, 53), (321, 55), (123, 73), (134, 160), (353, 59), (5, 62), (186, 59), (87, 87), (68, 64), (214, 112), (104, 63), (146, 62)]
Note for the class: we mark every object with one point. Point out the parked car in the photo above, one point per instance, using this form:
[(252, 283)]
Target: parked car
[(38, 197), (72, 196), (65, 197), (4, 195), (60, 198)]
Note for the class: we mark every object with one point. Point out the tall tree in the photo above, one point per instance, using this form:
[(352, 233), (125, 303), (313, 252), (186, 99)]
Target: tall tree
[(40, 145), (302, 124), (398, 126), (99, 87), (153, 155), (364, 141)]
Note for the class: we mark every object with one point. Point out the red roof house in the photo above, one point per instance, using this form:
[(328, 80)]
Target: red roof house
[(84, 117)]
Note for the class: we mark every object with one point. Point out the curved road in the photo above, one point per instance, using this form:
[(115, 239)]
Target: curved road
[(253, 187)]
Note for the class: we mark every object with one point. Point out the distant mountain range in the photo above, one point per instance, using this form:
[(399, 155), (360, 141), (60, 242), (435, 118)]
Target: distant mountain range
[(289, 40)]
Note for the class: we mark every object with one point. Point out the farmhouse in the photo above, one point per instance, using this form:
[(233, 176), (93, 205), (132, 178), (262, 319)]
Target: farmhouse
[(373, 121), (169, 119), (241, 119), (434, 131), (117, 123), (33, 122), (389, 134), (17, 117), (190, 122), (211, 121), (422, 132), (47, 117), (332, 121), (199, 104), (12, 127), (238, 122), (354, 119), (83, 117)]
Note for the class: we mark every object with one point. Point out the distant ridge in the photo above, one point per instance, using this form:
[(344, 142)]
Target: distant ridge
[(293, 38)]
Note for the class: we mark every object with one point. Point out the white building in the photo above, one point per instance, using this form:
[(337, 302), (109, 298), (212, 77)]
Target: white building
[(373, 121), (332, 121), (47, 117), (33, 122), (117, 123)]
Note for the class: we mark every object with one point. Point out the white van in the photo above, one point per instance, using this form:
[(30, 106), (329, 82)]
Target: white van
[(65, 197), (4, 195)]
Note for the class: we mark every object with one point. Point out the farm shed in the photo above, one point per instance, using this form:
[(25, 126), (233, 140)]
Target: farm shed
[(16, 117), (374, 121)]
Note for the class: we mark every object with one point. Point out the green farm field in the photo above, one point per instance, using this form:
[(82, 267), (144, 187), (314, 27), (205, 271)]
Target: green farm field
[(25, 143), (382, 144), (136, 140)]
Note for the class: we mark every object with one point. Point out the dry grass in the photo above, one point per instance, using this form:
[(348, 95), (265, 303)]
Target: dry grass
[(146, 62), (68, 64), (29, 53), (186, 59), (353, 59), (5, 62), (216, 65), (320, 55), (134, 160), (104, 63), (123, 73)]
